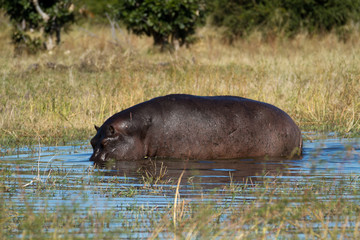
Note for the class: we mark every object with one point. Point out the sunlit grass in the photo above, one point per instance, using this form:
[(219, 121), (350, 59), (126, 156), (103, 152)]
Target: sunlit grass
[(58, 96)]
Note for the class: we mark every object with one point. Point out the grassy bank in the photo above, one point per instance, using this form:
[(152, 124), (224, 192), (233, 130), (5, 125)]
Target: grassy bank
[(56, 97)]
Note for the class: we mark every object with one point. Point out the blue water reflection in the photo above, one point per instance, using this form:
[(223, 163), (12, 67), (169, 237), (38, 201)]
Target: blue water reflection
[(73, 176)]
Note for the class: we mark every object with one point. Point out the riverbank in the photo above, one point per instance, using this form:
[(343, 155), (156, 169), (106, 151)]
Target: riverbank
[(56, 97)]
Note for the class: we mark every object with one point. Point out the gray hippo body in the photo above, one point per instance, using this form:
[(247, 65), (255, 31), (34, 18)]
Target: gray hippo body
[(197, 127)]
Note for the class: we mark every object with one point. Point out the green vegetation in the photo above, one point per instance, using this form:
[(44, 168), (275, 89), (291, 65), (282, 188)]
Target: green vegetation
[(96, 8), (274, 18), (37, 24), (173, 22), (165, 21)]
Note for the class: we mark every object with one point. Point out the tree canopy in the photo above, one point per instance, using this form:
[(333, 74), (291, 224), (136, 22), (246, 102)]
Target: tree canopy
[(283, 17), (47, 17), (165, 21)]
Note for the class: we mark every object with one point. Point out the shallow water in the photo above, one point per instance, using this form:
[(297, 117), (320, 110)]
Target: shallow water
[(66, 177), (330, 158)]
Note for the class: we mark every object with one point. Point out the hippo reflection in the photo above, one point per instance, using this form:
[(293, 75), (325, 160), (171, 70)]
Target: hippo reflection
[(197, 127), (221, 171)]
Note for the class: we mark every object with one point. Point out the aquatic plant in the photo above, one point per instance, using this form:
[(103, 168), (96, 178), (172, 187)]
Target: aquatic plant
[(270, 208)]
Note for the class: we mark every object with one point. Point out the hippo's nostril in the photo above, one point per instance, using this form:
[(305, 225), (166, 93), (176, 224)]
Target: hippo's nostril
[(96, 155), (103, 157)]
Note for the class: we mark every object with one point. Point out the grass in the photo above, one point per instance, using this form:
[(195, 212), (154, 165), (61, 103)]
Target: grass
[(271, 208), (58, 96)]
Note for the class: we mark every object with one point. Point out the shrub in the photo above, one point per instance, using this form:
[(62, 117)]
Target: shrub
[(283, 17), (165, 21), (30, 17), (96, 9)]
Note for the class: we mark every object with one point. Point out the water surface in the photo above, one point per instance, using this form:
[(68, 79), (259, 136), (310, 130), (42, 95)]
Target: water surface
[(64, 176)]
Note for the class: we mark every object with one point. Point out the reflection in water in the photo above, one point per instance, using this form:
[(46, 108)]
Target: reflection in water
[(330, 158), (69, 179), (205, 171), (325, 158)]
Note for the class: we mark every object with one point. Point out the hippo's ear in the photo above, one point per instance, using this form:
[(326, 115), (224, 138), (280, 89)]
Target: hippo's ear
[(96, 127), (111, 130)]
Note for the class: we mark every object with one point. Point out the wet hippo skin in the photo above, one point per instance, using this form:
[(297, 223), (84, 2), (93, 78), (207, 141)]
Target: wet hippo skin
[(197, 127)]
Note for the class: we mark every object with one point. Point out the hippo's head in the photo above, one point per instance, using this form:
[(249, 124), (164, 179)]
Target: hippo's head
[(118, 140)]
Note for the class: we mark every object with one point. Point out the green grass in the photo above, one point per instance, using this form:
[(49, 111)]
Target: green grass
[(58, 96)]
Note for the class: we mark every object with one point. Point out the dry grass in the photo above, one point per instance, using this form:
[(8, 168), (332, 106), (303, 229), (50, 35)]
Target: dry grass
[(58, 96)]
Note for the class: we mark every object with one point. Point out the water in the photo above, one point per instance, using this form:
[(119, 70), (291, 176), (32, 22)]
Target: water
[(64, 176)]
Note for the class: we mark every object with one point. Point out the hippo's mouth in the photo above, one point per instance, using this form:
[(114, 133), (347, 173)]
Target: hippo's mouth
[(98, 156)]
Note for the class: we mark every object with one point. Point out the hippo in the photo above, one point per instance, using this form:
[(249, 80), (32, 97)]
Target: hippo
[(184, 126)]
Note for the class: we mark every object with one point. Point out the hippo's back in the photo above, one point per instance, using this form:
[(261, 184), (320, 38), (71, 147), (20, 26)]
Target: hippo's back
[(186, 126)]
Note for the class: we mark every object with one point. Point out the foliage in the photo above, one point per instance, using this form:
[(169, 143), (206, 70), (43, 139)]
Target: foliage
[(96, 8), (27, 21), (165, 21), (283, 17)]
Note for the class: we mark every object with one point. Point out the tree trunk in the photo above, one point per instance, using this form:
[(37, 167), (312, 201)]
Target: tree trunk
[(160, 41), (49, 44), (58, 39)]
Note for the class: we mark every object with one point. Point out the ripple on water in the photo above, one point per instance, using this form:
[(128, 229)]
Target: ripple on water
[(67, 177)]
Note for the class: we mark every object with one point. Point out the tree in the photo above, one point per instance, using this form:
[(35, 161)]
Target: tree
[(30, 17), (167, 21), (283, 17)]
